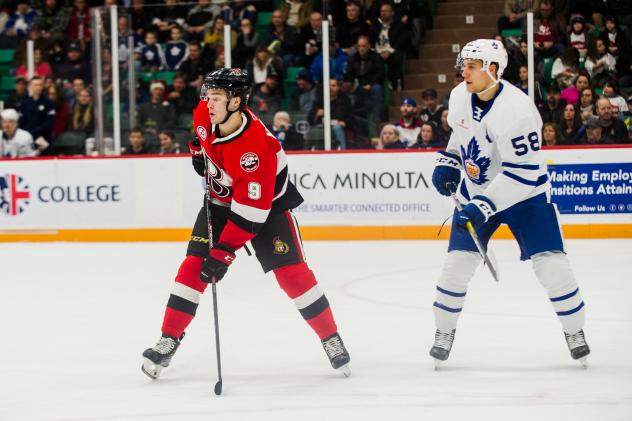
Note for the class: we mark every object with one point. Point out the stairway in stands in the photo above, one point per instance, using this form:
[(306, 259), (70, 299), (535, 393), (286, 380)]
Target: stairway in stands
[(455, 23)]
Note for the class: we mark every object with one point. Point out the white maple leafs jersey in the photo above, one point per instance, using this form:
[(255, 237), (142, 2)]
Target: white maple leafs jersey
[(498, 148)]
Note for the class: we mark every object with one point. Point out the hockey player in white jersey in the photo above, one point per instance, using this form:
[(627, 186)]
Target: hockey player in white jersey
[(496, 143)]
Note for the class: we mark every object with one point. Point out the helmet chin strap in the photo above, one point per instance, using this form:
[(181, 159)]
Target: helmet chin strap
[(496, 81), (228, 112)]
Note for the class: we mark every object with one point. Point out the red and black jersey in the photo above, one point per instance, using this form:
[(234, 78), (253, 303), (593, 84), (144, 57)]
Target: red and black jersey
[(247, 175)]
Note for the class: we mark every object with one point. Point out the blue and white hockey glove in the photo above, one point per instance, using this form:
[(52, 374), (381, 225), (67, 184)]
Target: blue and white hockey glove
[(478, 212), (447, 172)]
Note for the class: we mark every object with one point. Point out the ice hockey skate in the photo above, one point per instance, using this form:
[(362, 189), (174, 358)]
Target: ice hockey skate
[(337, 353), (158, 357), (578, 347), (440, 351)]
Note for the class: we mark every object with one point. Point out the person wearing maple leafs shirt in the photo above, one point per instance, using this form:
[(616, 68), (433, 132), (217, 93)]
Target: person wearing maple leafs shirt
[(250, 198)]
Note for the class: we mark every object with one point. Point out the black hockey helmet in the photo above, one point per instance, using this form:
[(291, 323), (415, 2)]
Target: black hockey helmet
[(233, 81)]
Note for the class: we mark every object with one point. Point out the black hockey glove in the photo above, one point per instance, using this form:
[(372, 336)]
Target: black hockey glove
[(216, 263), (197, 157), (447, 173)]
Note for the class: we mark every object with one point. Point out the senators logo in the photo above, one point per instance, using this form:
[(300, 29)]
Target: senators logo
[(280, 247), (201, 132), (214, 177), (249, 162)]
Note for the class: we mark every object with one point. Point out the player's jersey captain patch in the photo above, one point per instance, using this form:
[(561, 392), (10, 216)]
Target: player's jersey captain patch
[(249, 161)]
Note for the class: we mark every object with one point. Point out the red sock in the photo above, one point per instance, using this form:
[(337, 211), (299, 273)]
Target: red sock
[(184, 298), (300, 284)]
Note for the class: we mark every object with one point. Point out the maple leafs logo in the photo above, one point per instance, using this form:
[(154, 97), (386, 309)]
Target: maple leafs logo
[(476, 166)]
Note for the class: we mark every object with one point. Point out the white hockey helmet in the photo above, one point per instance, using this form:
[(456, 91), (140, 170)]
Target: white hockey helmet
[(488, 51)]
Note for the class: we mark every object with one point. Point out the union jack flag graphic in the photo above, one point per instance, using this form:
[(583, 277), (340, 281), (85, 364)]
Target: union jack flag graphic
[(14, 194)]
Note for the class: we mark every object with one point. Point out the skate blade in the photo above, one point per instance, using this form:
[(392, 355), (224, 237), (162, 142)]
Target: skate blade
[(345, 369), (437, 364), (151, 369), (584, 362)]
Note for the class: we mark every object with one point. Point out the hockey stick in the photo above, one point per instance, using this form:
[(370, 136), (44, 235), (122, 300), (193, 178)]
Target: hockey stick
[(472, 231), (207, 204)]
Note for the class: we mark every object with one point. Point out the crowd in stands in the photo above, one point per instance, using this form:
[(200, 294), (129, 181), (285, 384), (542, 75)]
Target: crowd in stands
[(583, 67)]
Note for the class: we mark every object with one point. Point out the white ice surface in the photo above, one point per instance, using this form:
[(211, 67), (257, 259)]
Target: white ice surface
[(76, 317)]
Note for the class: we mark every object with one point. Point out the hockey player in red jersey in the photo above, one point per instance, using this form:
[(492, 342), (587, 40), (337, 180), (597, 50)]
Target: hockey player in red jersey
[(251, 199)]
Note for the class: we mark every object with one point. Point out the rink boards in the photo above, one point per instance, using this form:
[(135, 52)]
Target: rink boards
[(348, 196)]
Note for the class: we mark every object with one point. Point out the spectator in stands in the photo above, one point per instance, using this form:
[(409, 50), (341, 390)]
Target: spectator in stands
[(38, 115), (590, 10), (570, 125), (553, 109), (389, 138), (176, 50), (431, 110), (444, 131), (351, 28), (600, 64), (137, 144), (565, 68), (82, 118), (571, 94), (183, 97), (366, 68), (310, 38), (595, 134), (296, 12), (238, 11), (152, 58), (284, 39), (215, 35), (168, 143), (578, 36), (266, 97), (587, 100), (74, 66), (168, 17), (616, 41), (286, 133), (157, 114), (262, 64), (341, 113), (247, 42), (428, 138), (40, 67), (611, 91), (124, 33), (337, 64), (61, 110), (141, 16), (551, 134), (18, 25), (195, 67), (71, 91), (549, 34), (409, 125), (14, 142), (612, 127), (456, 81), (538, 97), (200, 19), (515, 12), (390, 40), (53, 19), (306, 93), (18, 95), (79, 25)]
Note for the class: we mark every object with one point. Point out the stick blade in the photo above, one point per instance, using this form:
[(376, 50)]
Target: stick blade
[(218, 388)]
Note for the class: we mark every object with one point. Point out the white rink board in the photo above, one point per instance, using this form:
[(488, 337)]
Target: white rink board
[(347, 189)]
